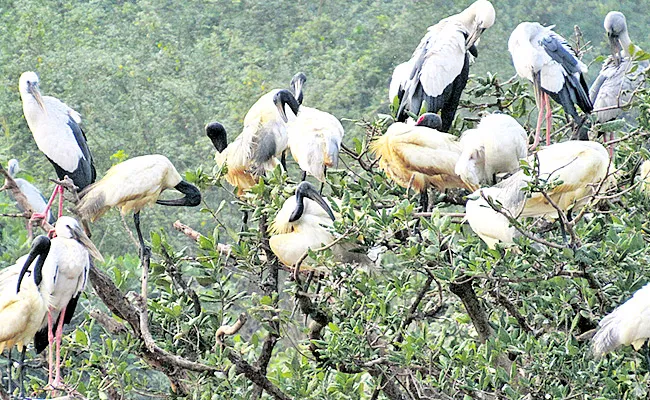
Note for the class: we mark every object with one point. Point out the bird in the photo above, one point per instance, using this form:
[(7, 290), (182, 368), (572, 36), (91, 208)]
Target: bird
[(401, 75), (440, 64), (57, 133), (296, 84), (494, 147), (578, 167), (315, 137), (23, 302), (37, 201), (628, 324), (419, 156), (616, 82), (546, 59), (131, 185)]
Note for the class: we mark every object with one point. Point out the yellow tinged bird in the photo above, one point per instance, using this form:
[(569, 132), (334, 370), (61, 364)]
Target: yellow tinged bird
[(579, 165), (419, 156), (133, 184)]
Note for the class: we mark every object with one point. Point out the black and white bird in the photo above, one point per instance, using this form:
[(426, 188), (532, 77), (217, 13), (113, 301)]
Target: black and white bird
[(133, 184), (616, 82), (438, 70), (37, 201), (57, 133), (546, 59)]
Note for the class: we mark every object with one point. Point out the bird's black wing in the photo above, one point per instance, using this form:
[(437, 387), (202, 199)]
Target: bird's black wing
[(85, 173)]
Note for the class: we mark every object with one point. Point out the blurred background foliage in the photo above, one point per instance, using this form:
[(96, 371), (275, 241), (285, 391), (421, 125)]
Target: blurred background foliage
[(147, 75)]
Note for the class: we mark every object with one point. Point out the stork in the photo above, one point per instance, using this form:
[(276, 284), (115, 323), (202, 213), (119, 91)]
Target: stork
[(23, 303), (577, 166), (495, 146), (315, 137), (545, 58), (440, 64), (628, 324), (57, 133), (37, 202), (418, 156), (615, 83), (133, 184)]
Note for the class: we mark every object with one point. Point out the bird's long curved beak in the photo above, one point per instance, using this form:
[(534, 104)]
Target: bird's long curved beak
[(297, 89), (474, 37), (615, 48), (311, 193), (81, 237), (280, 106), (33, 90)]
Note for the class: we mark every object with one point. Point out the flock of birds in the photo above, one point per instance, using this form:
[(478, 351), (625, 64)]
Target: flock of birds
[(39, 294)]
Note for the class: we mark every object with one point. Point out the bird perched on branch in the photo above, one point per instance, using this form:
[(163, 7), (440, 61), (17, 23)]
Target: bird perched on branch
[(315, 137), (628, 324), (37, 201), (577, 168), (23, 302), (438, 70), (494, 147), (616, 82), (133, 184), (546, 59), (419, 156), (57, 133)]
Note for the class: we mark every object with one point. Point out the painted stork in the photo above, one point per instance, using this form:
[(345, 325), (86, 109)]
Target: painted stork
[(578, 166), (23, 303), (495, 146), (419, 157), (57, 133), (628, 324), (133, 184), (37, 201), (615, 83), (440, 63), (546, 59)]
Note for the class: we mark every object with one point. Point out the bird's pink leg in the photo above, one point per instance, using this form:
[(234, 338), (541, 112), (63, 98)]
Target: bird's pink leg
[(549, 118), (59, 336), (538, 129), (50, 340), (60, 188), (610, 147)]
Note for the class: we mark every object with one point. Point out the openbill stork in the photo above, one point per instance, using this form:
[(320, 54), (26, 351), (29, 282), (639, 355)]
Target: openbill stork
[(37, 201), (315, 136), (494, 147), (616, 82), (133, 184), (23, 303), (546, 59), (628, 324), (419, 156), (57, 133), (439, 66), (577, 166)]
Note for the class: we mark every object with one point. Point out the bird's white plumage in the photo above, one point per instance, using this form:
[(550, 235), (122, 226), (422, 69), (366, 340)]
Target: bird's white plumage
[(315, 139), (32, 194), (401, 74), (628, 324), (579, 165), (130, 185), (529, 57), (494, 147), (50, 128), (488, 224)]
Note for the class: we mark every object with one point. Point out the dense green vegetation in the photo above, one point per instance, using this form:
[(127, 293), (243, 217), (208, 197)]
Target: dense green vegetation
[(147, 75)]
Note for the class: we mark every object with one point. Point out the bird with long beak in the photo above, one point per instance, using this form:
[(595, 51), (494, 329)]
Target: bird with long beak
[(23, 303), (301, 224), (546, 59), (57, 133)]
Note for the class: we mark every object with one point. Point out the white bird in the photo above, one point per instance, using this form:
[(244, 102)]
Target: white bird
[(57, 133), (628, 324), (419, 156), (315, 137), (494, 147), (23, 302), (65, 274), (546, 59), (37, 201), (401, 75), (133, 184), (440, 63), (580, 166), (615, 83)]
